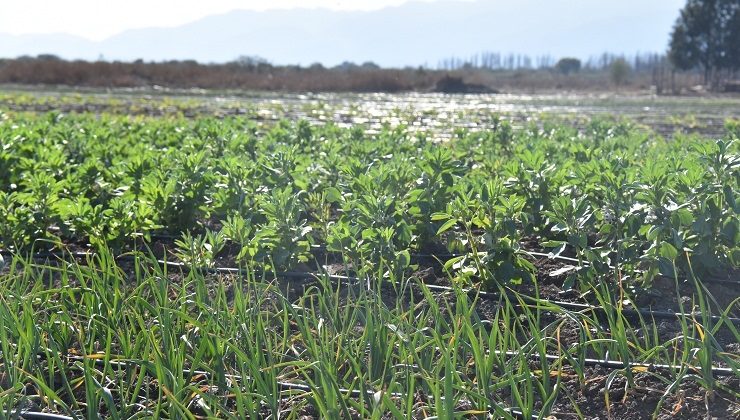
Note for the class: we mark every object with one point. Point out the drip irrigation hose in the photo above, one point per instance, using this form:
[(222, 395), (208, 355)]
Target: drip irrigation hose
[(282, 385), (538, 254), (583, 306), (617, 364), (572, 306), (570, 260), (437, 288), (49, 254), (37, 415), (356, 393), (447, 255), (474, 292)]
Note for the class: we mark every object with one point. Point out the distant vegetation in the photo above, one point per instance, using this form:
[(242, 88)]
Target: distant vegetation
[(707, 37), (482, 73), (568, 65), (703, 53), (619, 71)]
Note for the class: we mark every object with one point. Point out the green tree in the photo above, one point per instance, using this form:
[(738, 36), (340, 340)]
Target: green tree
[(568, 65), (707, 36), (619, 70)]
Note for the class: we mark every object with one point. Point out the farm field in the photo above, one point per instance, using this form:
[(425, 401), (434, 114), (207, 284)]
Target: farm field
[(435, 114), (368, 256)]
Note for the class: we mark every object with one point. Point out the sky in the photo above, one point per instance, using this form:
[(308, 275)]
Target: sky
[(414, 34), (100, 19)]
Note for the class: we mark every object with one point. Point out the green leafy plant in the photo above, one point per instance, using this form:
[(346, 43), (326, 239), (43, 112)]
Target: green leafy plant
[(496, 255), (199, 250), (285, 235)]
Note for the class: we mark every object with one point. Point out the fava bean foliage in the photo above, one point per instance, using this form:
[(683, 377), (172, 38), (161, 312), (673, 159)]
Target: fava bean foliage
[(112, 337), (609, 196)]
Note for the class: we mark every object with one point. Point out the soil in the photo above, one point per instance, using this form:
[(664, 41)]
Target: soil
[(688, 401)]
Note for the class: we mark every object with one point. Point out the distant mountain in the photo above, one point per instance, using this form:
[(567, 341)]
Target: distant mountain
[(414, 33)]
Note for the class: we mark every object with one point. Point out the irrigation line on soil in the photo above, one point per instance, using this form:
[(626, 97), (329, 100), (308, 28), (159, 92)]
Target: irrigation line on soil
[(356, 393), (482, 294), (606, 363), (485, 295), (534, 254), (571, 260), (448, 255), (169, 237), (582, 306), (616, 364), (437, 288), (429, 256), (37, 415), (283, 385)]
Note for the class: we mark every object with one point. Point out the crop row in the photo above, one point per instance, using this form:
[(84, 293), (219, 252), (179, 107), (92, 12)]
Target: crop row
[(159, 341), (344, 280), (607, 195)]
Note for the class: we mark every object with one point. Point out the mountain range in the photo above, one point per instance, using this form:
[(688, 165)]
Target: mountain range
[(412, 34)]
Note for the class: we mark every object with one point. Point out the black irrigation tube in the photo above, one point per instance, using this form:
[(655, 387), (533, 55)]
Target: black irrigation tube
[(170, 237), (356, 393), (582, 306), (453, 255), (616, 364), (474, 292), (567, 259), (282, 385), (38, 415), (542, 255)]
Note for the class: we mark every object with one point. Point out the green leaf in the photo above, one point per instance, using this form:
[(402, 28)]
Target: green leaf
[(569, 282), (440, 216), (333, 195), (369, 233), (559, 250), (447, 178), (404, 258), (452, 262), (582, 240), (684, 216), (653, 233), (446, 226), (668, 251), (552, 244), (606, 229), (730, 199), (560, 271), (560, 227)]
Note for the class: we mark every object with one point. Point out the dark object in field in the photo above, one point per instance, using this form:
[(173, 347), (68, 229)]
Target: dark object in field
[(732, 86), (449, 84)]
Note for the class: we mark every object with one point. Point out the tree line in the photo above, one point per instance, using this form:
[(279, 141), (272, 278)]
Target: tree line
[(706, 37)]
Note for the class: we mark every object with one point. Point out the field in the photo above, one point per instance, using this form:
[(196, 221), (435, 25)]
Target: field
[(197, 255)]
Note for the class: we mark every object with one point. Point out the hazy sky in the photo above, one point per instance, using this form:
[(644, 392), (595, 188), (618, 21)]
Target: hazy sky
[(580, 28), (99, 19)]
